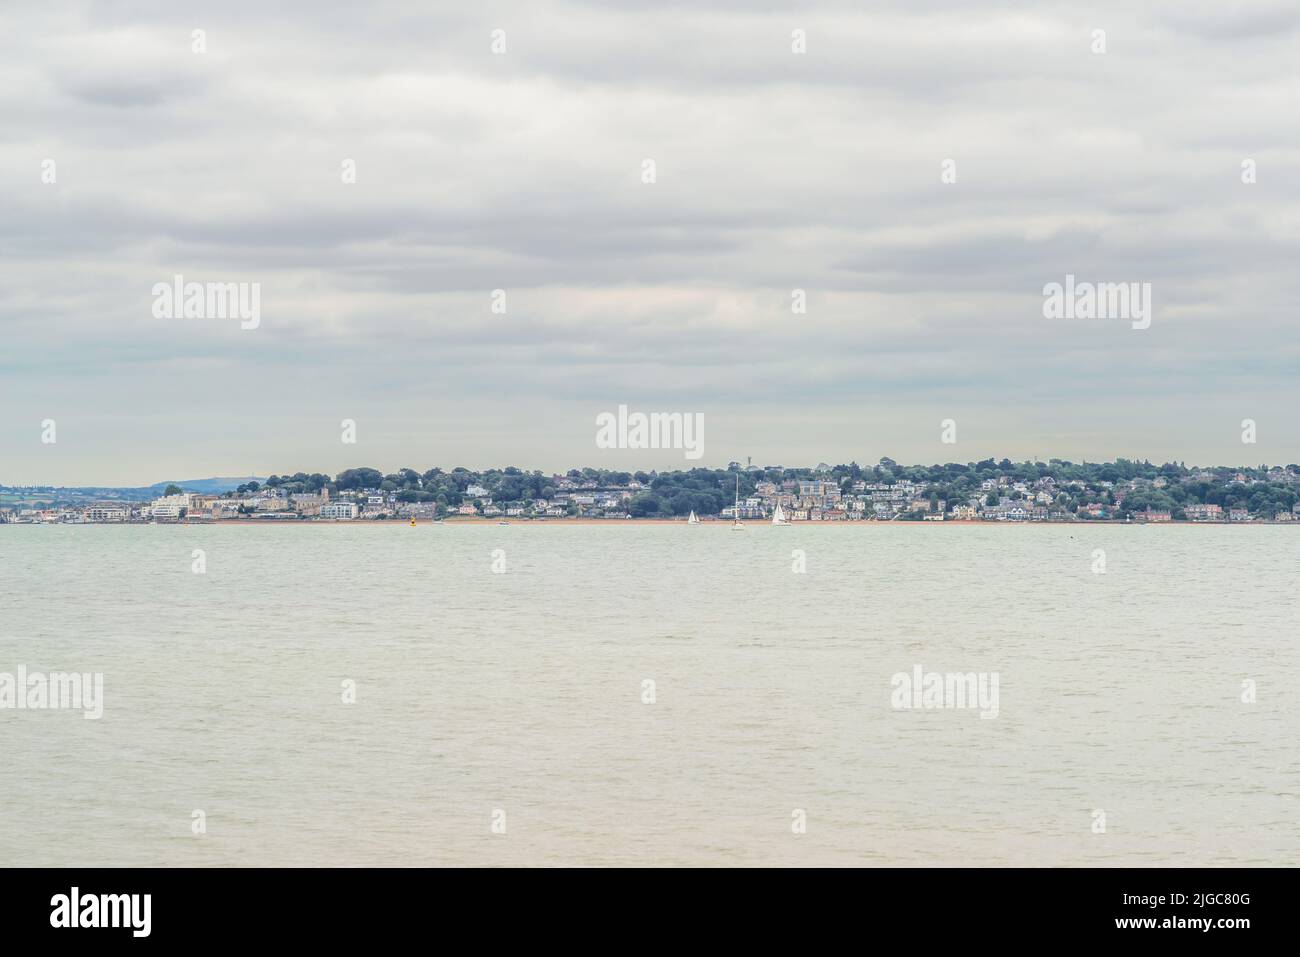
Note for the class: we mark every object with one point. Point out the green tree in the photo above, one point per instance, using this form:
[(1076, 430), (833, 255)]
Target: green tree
[(645, 505)]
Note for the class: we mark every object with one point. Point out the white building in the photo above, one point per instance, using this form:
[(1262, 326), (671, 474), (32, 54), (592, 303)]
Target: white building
[(170, 506), (339, 510)]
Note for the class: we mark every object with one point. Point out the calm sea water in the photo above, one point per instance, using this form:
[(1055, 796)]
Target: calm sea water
[(523, 692)]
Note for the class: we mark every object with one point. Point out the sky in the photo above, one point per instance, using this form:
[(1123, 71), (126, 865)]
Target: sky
[(921, 171)]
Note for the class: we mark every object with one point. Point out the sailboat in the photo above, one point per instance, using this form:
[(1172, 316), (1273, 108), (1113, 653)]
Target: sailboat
[(736, 526), (692, 520), (778, 517)]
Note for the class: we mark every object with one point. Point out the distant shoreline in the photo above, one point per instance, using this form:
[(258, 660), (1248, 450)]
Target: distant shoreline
[(719, 523)]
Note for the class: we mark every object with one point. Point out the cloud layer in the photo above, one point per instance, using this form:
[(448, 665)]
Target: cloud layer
[(522, 171)]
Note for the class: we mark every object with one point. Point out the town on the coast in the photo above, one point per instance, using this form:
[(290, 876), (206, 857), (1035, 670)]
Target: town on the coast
[(986, 491)]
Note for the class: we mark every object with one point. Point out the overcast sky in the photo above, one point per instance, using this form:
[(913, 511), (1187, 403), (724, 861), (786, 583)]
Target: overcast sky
[(522, 171)]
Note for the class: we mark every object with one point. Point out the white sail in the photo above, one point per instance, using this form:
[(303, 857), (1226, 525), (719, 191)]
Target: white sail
[(735, 515), (778, 517), (692, 520)]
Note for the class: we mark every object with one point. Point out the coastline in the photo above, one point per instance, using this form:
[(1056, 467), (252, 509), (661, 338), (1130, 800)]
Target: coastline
[(637, 522)]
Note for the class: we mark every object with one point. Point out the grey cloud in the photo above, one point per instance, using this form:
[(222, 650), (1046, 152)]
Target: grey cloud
[(521, 172)]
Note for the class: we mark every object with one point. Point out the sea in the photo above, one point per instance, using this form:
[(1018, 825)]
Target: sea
[(557, 694)]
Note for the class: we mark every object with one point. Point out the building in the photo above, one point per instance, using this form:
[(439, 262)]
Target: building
[(339, 511), (105, 513), (170, 506), (1203, 513), (819, 490)]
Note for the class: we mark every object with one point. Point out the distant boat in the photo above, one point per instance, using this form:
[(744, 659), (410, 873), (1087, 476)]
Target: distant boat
[(503, 523), (692, 520), (778, 517), (736, 525)]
